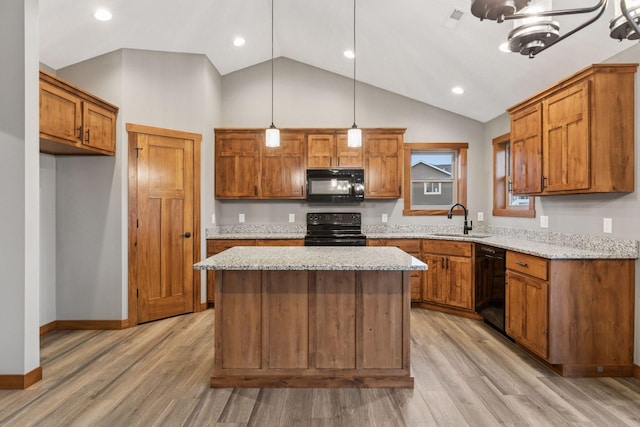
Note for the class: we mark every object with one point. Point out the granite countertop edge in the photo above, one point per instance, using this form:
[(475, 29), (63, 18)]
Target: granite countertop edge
[(540, 249)]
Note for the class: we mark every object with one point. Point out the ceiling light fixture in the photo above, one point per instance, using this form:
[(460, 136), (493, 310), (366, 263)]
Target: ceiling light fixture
[(272, 133), (354, 135), (349, 54), (457, 90), (238, 41), (535, 32), (102, 15)]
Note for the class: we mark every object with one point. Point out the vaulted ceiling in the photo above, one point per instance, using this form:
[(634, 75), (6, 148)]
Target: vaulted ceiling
[(409, 47)]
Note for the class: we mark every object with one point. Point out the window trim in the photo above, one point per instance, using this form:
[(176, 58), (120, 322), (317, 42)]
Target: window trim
[(429, 193), (500, 205), (461, 181)]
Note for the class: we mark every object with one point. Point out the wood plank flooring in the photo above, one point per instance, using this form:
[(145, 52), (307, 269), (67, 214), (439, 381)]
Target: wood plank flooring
[(158, 374)]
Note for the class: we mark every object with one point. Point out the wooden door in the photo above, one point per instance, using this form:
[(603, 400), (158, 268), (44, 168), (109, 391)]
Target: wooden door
[(283, 168), (320, 151), (348, 157), (459, 283), (165, 226), (238, 164), (434, 279), (382, 165), (99, 127), (526, 151), (60, 114), (566, 155)]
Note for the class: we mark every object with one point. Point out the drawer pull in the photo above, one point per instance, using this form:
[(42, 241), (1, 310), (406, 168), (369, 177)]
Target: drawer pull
[(522, 264)]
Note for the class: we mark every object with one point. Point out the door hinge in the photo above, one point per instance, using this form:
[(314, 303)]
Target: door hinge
[(138, 151)]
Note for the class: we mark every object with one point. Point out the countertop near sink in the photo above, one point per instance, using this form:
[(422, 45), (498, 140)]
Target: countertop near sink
[(543, 244)]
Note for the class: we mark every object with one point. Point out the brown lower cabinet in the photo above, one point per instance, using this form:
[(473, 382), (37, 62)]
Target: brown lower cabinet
[(215, 246), (412, 247), (575, 315)]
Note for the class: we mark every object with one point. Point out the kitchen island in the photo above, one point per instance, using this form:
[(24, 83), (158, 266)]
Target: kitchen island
[(312, 316)]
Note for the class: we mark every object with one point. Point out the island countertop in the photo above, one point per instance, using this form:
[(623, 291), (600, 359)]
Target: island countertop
[(312, 258)]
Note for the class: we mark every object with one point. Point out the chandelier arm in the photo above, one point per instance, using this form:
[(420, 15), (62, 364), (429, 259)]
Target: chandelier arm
[(601, 4), (575, 30), (630, 19)]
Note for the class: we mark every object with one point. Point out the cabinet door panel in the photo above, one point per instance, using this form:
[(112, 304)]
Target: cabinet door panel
[(382, 164), (320, 151), (283, 168), (459, 284), (434, 280), (526, 151), (515, 306), (60, 113), (566, 143), (237, 165), (99, 127), (348, 157), (536, 320)]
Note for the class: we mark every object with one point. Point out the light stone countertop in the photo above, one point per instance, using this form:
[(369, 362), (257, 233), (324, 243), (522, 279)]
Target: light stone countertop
[(557, 246), (311, 258)]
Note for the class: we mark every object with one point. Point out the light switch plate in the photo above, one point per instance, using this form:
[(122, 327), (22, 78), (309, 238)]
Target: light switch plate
[(292, 217), (607, 225), (240, 217), (385, 218), (544, 221), (480, 216)]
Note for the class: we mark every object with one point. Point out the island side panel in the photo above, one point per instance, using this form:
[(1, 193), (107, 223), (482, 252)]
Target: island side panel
[(334, 319), (238, 334), (381, 318), (286, 325)]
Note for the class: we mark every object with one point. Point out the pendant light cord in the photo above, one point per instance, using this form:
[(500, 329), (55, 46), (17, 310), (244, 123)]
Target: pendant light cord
[(272, 7), (355, 56)]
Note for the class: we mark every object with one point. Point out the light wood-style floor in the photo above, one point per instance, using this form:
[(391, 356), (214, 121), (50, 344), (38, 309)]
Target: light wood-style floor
[(158, 374)]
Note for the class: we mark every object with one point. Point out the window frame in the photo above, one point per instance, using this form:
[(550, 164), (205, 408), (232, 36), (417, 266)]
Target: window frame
[(460, 181), (501, 207), (436, 193)]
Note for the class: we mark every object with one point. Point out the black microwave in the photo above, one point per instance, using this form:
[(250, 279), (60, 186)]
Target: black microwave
[(335, 185)]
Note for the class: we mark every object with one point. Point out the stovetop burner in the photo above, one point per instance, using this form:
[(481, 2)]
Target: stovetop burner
[(334, 229)]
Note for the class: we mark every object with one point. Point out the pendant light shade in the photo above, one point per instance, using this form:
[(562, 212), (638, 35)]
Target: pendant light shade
[(354, 135), (272, 133), (621, 26), (273, 136)]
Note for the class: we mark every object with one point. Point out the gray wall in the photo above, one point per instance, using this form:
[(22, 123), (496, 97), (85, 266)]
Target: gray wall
[(305, 96), (47, 239), (174, 91), (19, 175)]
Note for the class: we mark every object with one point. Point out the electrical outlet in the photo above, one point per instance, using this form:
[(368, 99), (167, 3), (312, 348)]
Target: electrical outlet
[(544, 221), (385, 218), (292, 217), (480, 216), (240, 217), (213, 218), (607, 225)]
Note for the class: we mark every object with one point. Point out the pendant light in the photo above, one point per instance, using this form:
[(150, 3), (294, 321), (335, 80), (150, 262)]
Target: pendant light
[(354, 135), (624, 24), (272, 133)]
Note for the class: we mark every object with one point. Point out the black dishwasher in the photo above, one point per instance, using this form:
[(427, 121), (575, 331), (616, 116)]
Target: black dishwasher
[(490, 285)]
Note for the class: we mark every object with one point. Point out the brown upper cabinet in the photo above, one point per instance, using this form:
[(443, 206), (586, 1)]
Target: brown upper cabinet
[(330, 150), (383, 163), (245, 168), (577, 136), (73, 121)]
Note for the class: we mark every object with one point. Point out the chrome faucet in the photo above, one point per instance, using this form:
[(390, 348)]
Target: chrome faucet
[(467, 225)]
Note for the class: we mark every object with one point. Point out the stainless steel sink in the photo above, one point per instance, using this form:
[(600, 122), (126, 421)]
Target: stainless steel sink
[(474, 235)]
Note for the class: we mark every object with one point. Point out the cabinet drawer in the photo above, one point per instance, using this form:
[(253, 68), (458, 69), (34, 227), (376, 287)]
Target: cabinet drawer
[(280, 242), (447, 247), (412, 246), (528, 264), (215, 246)]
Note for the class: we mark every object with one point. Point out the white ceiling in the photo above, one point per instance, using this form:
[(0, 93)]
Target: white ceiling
[(403, 46)]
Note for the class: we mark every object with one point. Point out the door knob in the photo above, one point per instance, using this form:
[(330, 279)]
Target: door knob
[(186, 235)]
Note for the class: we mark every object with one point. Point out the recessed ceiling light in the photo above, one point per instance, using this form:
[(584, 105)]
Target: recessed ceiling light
[(504, 47), (102, 15), (238, 41), (349, 54), (457, 90)]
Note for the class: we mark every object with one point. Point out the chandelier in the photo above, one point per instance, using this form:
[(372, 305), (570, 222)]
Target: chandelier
[(535, 30)]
